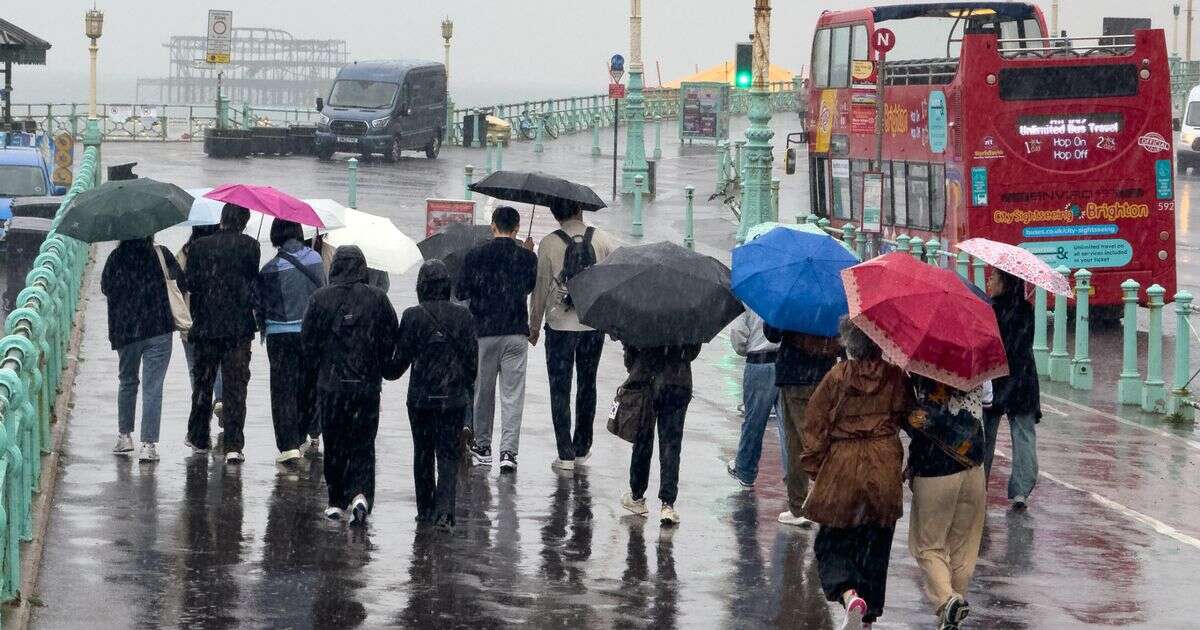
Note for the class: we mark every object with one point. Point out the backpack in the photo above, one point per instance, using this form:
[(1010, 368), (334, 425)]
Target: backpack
[(579, 256)]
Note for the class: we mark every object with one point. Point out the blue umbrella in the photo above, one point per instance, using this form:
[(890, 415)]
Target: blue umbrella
[(793, 280)]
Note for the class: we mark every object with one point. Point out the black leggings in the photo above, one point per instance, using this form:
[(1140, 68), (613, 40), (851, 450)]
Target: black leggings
[(855, 558)]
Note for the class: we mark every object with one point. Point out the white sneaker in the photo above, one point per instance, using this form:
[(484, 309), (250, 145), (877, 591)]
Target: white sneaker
[(312, 447), (563, 464), (124, 444), (787, 518), (334, 514), (287, 457), (1020, 502), (196, 450), (219, 413), (149, 452), (855, 610), (668, 516), (637, 506), (583, 459), (358, 510), (234, 457)]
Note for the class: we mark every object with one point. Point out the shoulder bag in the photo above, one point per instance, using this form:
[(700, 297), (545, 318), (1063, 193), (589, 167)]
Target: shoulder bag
[(181, 315), (631, 410)]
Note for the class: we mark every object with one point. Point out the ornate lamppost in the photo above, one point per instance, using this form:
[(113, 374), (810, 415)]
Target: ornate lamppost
[(93, 27), (635, 108), (756, 190)]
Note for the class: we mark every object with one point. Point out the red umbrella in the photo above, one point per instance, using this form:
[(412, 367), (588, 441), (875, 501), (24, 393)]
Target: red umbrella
[(926, 320), (269, 201)]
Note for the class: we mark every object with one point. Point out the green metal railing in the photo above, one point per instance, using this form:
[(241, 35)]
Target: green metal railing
[(124, 122), (32, 357)]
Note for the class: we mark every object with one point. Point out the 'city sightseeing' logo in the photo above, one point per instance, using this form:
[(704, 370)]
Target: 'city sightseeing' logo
[(1071, 213)]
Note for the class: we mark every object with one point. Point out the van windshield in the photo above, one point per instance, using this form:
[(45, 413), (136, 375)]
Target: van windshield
[(1193, 114), (363, 94), (21, 181)]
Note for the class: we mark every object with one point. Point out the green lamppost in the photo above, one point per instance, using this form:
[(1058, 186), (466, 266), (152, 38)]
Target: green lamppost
[(756, 189), (93, 28), (447, 33), (635, 107)]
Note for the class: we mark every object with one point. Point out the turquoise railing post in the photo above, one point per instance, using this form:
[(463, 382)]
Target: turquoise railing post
[(812, 218), (902, 243), (352, 183), (1154, 390), (963, 265), (1081, 365), (657, 137), (488, 148), (823, 223), (738, 163), (917, 247), (860, 244), (1179, 402), (468, 176), (722, 156), (980, 270), (637, 206), (774, 200), (848, 235), (932, 247), (1041, 351), (538, 124), (1129, 386), (689, 226), (595, 135), (499, 154), (247, 115), (1059, 363)]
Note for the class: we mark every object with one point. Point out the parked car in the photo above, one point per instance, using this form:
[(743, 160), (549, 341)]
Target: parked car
[(25, 170), (384, 107)]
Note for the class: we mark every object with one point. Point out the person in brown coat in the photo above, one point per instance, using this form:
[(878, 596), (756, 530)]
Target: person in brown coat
[(853, 453)]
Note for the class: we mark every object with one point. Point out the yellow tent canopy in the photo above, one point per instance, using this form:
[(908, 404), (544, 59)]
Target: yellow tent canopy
[(724, 73)]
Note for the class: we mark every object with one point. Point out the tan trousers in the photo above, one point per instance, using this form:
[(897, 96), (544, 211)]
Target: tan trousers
[(793, 400), (945, 529)]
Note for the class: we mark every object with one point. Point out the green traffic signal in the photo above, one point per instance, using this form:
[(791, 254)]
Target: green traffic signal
[(743, 75)]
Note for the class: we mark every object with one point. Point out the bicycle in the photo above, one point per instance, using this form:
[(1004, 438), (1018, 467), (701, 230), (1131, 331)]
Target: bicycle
[(528, 129)]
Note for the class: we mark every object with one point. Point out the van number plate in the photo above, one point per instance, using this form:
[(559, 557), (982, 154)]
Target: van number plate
[(347, 139)]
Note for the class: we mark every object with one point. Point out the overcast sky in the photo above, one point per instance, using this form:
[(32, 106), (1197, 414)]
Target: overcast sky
[(513, 48)]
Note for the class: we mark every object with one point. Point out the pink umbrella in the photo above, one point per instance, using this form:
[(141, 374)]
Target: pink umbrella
[(1021, 263), (269, 201)]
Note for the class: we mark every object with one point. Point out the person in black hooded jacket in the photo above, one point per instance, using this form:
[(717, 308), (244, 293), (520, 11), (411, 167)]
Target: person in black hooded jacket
[(349, 331), (438, 340)]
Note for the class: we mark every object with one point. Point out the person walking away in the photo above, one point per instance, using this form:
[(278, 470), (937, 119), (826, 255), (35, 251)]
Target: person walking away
[(760, 395), (348, 336), (852, 450), (198, 232), (437, 340), (286, 285), (139, 328), (570, 346), (496, 280), (1017, 395), (801, 362), (949, 491), (667, 372), (222, 278)]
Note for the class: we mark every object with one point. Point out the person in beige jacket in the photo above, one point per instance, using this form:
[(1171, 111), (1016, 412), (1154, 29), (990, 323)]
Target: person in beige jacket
[(570, 345)]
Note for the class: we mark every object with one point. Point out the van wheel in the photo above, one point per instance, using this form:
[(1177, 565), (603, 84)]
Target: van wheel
[(394, 151), (435, 145)]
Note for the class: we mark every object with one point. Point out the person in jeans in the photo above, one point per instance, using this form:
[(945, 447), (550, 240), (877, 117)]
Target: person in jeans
[(349, 337), (139, 327), (437, 339), (222, 276), (198, 232), (800, 363), (667, 371), (286, 285), (570, 346), (949, 491), (1017, 395), (760, 395), (496, 279)]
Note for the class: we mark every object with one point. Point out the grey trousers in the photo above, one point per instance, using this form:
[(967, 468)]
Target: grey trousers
[(502, 359)]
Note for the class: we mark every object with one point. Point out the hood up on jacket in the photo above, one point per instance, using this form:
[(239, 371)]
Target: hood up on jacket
[(349, 266), (866, 377), (433, 282)]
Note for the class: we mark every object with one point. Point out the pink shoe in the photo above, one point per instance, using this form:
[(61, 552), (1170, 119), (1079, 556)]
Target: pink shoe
[(855, 610)]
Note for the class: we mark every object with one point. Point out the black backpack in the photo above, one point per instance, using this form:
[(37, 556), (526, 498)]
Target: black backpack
[(579, 256)]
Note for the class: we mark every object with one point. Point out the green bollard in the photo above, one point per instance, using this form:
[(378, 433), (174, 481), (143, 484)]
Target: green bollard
[(538, 125), (1059, 364), (738, 163), (479, 119), (932, 247), (823, 223), (980, 274), (963, 265), (917, 247), (657, 137), (1154, 390), (774, 201), (488, 148), (902, 243), (596, 135), (860, 244), (1129, 387), (722, 161), (1179, 402), (812, 219), (689, 226), (352, 183), (637, 206), (848, 235), (1041, 352), (1081, 365), (468, 173)]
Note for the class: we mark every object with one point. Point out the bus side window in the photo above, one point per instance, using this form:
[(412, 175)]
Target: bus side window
[(820, 58), (937, 185), (839, 58), (858, 46), (918, 196), (900, 199), (840, 189), (857, 169)]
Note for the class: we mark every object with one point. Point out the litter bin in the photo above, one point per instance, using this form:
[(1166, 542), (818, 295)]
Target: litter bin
[(651, 176), (24, 238), (122, 172), (469, 122)]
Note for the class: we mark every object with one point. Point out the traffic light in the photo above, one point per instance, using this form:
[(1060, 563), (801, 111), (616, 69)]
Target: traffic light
[(744, 73)]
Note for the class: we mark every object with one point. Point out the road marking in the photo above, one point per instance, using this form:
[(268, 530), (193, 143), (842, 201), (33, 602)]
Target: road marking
[(1116, 418), (1144, 519), (1054, 410)]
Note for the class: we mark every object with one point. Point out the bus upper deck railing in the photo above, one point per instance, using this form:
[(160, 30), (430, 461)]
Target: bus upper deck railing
[(1049, 48)]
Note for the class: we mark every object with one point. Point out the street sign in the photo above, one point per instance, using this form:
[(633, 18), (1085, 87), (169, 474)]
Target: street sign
[(220, 36), (616, 90), (884, 40), (616, 68)]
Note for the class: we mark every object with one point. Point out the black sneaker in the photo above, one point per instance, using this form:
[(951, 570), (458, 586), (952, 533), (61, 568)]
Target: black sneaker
[(481, 455), (953, 613), (508, 461)]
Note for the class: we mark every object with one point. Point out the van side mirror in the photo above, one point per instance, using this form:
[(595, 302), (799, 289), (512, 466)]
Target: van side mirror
[(320, 103), (789, 162), (1177, 124), (58, 191)]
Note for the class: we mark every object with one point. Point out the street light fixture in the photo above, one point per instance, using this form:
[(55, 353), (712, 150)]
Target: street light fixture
[(447, 33), (93, 28)]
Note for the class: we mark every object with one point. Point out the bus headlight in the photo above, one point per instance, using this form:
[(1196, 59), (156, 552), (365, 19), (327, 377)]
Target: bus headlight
[(1188, 137)]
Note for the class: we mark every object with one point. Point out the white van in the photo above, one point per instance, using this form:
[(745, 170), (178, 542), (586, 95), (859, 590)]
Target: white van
[(1187, 150)]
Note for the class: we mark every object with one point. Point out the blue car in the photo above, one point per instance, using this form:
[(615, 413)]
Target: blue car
[(25, 170)]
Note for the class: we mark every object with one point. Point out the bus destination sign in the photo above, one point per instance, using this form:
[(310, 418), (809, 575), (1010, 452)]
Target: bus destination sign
[(1070, 138)]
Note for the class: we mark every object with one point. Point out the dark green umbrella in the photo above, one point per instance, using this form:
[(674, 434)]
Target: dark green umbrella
[(125, 210)]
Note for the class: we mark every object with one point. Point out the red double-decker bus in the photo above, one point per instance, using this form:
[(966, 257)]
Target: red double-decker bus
[(992, 128)]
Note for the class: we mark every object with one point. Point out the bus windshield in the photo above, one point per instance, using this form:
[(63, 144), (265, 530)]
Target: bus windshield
[(362, 94), (1193, 114), (21, 181)]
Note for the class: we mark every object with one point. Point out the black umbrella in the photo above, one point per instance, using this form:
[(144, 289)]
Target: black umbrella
[(125, 210), (538, 189), (452, 243), (656, 295)]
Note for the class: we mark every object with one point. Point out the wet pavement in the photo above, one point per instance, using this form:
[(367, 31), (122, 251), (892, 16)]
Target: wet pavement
[(1112, 537)]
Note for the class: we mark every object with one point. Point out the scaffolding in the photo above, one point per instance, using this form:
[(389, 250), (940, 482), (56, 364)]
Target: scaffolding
[(268, 67)]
